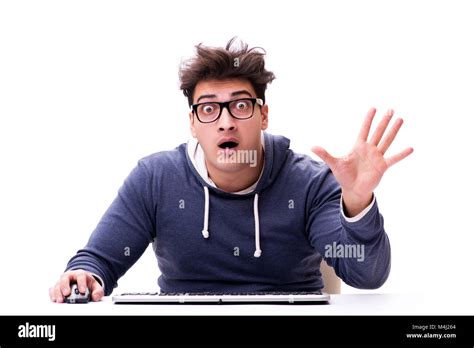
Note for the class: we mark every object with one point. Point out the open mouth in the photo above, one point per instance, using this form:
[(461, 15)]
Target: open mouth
[(228, 145)]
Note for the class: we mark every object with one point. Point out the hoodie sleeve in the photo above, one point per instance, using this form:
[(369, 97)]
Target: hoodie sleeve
[(123, 233), (359, 251)]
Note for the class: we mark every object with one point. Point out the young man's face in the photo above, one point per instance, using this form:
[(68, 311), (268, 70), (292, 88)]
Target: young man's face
[(227, 136)]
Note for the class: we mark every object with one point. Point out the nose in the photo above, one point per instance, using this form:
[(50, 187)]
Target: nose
[(226, 121)]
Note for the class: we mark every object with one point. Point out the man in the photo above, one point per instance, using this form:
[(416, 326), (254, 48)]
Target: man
[(235, 209)]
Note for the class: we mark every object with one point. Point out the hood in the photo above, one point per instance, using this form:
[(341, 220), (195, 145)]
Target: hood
[(275, 155)]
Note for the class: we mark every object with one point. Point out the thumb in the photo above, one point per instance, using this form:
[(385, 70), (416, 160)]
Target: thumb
[(97, 291), (324, 155)]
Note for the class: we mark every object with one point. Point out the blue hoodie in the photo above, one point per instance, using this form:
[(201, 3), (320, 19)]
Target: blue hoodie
[(206, 239)]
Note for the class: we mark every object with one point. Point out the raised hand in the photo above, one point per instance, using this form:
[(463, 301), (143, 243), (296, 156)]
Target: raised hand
[(361, 170)]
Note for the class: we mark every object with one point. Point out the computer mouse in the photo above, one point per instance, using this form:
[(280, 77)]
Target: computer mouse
[(76, 297)]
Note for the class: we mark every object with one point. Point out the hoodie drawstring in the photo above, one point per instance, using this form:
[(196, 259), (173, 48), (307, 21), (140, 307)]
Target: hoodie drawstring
[(258, 251), (205, 231)]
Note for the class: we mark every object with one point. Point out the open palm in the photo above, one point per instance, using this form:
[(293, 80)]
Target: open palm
[(361, 170)]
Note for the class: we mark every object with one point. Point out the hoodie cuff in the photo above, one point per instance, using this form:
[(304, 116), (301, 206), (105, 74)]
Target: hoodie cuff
[(361, 214), (99, 279)]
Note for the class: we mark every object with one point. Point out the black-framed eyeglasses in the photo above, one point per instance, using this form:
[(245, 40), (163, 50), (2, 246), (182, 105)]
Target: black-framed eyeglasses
[(240, 109)]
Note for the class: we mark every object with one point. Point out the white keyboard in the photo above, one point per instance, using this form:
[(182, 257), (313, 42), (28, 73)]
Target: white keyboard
[(228, 297)]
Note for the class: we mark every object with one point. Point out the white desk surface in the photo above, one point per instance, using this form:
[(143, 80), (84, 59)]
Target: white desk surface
[(344, 304)]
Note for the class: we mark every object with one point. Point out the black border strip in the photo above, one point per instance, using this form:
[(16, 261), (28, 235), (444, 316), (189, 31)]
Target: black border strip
[(225, 330)]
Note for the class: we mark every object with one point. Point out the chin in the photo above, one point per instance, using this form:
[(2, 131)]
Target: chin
[(230, 167)]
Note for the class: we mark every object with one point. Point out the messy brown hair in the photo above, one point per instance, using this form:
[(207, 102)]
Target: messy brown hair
[(224, 63)]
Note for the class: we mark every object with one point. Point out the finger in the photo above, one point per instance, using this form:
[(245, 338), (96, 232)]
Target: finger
[(81, 279), (97, 291), (388, 139), (64, 283), (51, 294), (382, 126), (398, 157), (325, 156), (58, 295), (365, 129)]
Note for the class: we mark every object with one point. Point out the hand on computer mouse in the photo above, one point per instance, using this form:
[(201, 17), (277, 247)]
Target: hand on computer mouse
[(76, 296), (84, 281)]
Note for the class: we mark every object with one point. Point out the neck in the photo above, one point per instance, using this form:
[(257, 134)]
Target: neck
[(239, 180)]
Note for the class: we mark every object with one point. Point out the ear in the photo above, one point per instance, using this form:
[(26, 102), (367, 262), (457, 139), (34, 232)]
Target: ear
[(191, 124), (264, 113)]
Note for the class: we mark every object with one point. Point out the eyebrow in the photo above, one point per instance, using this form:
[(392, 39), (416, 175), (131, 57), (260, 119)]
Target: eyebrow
[(233, 94)]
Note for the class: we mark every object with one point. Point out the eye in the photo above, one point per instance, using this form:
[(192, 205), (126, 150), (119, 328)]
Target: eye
[(242, 105), (208, 109)]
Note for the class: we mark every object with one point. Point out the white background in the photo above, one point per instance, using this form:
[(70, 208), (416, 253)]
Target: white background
[(89, 87)]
